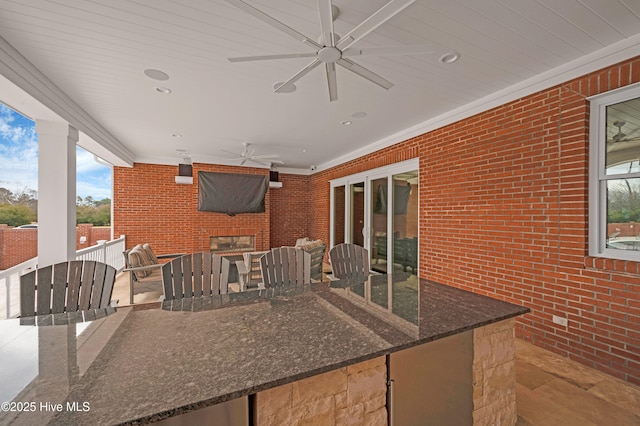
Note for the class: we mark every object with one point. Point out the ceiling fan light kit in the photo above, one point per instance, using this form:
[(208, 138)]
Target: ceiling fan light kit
[(333, 50)]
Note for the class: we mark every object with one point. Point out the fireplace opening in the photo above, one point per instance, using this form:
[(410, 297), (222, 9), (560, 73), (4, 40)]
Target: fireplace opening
[(232, 244)]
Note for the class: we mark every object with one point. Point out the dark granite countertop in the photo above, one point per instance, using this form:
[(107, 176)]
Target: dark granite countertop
[(135, 365)]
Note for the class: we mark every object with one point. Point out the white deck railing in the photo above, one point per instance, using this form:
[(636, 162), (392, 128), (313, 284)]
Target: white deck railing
[(109, 252), (10, 288)]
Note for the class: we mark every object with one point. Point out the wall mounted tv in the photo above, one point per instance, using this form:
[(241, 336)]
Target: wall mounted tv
[(231, 193)]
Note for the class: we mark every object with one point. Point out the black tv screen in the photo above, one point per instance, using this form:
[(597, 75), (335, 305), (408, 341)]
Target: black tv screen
[(231, 193)]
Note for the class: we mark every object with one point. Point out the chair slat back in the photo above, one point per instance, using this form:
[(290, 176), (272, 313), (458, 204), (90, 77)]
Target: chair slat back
[(66, 287), (195, 275), (285, 266), (252, 262), (349, 261)]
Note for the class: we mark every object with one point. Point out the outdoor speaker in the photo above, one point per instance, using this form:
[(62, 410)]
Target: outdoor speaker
[(273, 176), (185, 170)]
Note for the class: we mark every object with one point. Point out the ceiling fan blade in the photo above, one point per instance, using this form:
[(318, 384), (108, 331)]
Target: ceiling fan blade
[(266, 163), (244, 160), (267, 19), (383, 14), (416, 49), (631, 133), (332, 81), (326, 22), (299, 75), (259, 162), (364, 72), (270, 57), (262, 157)]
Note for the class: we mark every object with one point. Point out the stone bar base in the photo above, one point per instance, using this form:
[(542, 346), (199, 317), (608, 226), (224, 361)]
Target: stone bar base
[(494, 375), (354, 395)]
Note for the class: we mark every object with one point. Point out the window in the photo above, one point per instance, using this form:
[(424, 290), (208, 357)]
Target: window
[(614, 183)]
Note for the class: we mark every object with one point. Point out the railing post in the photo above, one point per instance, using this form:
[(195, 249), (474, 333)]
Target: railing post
[(103, 250)]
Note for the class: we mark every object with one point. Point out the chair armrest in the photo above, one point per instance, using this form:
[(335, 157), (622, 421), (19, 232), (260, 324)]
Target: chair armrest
[(143, 268), (169, 256)]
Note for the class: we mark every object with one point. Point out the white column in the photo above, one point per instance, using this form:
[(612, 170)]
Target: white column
[(56, 191)]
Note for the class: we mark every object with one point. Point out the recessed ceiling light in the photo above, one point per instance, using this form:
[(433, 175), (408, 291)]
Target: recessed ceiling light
[(177, 135), (156, 74), (290, 88), (345, 123), (449, 58), (163, 90), (359, 114)]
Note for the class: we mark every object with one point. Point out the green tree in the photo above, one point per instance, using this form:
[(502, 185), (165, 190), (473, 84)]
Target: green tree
[(18, 208), (16, 214), (96, 212)]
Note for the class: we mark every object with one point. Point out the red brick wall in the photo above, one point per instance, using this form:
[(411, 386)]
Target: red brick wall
[(503, 211), (93, 234), (289, 210), (17, 246), (20, 245), (150, 207)]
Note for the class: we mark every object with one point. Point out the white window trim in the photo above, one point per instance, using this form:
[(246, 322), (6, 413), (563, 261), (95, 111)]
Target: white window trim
[(597, 178)]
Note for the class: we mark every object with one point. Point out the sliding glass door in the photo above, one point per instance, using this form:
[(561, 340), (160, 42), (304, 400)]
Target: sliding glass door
[(378, 210)]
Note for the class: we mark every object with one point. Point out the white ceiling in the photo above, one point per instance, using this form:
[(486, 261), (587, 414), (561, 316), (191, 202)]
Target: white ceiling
[(96, 52)]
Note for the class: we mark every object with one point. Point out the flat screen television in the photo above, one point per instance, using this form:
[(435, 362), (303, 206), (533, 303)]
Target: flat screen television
[(231, 193)]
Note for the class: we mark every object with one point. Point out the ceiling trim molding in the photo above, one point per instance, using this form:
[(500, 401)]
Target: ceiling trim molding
[(204, 159), (610, 55), (18, 70)]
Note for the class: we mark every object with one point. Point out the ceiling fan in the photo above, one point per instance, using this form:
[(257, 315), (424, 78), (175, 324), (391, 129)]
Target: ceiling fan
[(248, 154), (621, 136), (334, 50)]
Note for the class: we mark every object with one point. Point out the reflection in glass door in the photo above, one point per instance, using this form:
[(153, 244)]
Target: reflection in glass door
[(379, 220), (405, 221), (338, 214), (356, 210), (396, 250)]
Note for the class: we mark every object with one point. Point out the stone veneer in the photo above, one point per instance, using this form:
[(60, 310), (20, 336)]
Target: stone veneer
[(494, 374), (356, 395), (353, 395)]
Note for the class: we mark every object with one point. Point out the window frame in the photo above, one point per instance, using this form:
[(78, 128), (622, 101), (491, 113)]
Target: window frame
[(597, 173)]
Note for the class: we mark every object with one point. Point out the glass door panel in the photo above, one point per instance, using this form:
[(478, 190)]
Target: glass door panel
[(357, 208), (379, 221), (405, 222), (338, 214)]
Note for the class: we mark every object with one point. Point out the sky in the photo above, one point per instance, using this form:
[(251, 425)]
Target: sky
[(19, 160)]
